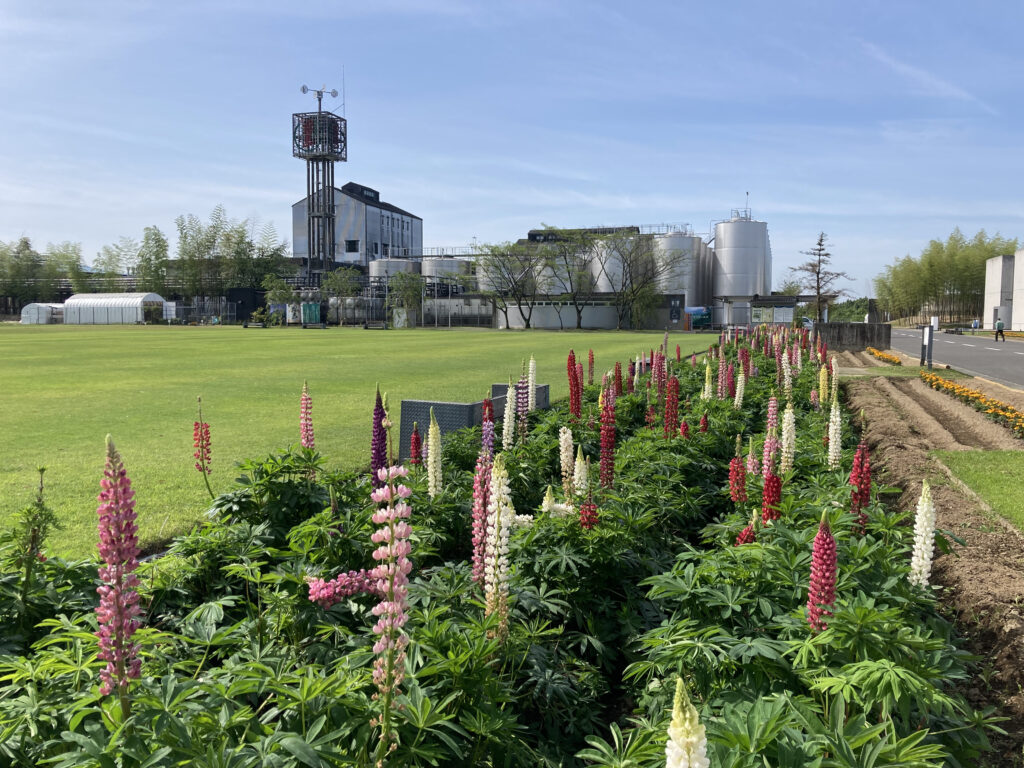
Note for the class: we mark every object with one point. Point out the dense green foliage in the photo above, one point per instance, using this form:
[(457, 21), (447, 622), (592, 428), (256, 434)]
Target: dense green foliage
[(240, 669), (947, 279)]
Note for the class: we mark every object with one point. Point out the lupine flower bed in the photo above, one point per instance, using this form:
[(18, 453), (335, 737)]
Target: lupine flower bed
[(998, 411), (885, 357), (607, 589)]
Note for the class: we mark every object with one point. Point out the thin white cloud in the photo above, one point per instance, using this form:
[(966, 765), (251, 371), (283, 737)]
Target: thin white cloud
[(923, 80)]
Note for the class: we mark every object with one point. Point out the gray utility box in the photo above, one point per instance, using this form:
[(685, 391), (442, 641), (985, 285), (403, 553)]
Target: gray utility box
[(453, 416)]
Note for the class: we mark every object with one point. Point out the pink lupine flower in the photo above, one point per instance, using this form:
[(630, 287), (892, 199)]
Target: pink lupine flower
[(607, 473), (201, 443), (860, 479), (118, 610), (684, 430), (481, 498), (328, 593), (306, 418), (822, 594)]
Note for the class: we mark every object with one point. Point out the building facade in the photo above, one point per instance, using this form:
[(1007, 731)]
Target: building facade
[(366, 228)]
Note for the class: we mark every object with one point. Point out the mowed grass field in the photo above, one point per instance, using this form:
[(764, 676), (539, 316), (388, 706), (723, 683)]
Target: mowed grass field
[(64, 388)]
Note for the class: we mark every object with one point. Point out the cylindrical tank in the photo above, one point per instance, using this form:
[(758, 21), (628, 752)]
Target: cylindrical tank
[(388, 267), (742, 258), (606, 269), (684, 271), (441, 266)]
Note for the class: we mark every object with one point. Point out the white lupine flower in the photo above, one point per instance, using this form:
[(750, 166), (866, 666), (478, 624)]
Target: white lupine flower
[(687, 745), (924, 538), (833, 368), (788, 439), (433, 457), (523, 521), (549, 500), (787, 377), (799, 358), (565, 455), (708, 392), (580, 477), (636, 374), (508, 424), (835, 435), (741, 385), (500, 518), (531, 385)]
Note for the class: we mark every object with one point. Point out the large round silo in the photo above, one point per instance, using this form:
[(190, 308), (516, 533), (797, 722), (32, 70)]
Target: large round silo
[(679, 257), (441, 266), (606, 268), (388, 267), (741, 258)]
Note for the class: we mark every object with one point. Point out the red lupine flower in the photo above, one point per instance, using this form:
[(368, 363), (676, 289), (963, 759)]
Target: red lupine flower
[(684, 430), (771, 495), (737, 480), (618, 378), (201, 442), (679, 354), (575, 402), (860, 479), (672, 407), (608, 440), (746, 536), (590, 366), (118, 610), (588, 515), (822, 594), (704, 422), (415, 445)]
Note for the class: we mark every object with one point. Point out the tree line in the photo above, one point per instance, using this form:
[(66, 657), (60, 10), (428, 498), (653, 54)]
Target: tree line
[(211, 257), (947, 279)]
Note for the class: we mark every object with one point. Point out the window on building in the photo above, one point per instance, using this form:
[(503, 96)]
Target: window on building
[(375, 248), (386, 250), (351, 246)]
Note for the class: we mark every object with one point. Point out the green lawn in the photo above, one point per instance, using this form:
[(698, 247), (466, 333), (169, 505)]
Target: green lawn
[(64, 388), (993, 475)]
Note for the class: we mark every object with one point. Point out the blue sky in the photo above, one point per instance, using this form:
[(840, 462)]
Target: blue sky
[(883, 124)]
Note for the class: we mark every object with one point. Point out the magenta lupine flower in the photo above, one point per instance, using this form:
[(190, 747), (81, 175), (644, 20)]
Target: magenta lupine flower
[(481, 498), (607, 473), (487, 428), (392, 576), (328, 593), (574, 389), (703, 423), (306, 418), (201, 443), (822, 594), (118, 610), (378, 442), (590, 366), (730, 380), (684, 430), (415, 445), (771, 494), (860, 479)]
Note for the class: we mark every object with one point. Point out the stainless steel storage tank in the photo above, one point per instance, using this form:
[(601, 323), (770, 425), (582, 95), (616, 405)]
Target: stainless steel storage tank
[(388, 267), (742, 262), (441, 266), (686, 274)]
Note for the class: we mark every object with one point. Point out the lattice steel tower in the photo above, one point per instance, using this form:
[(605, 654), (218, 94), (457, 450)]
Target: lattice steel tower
[(320, 138)]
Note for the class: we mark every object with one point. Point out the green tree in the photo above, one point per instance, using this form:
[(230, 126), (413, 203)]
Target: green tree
[(152, 263), (406, 290), (815, 276), (570, 256), (342, 283), (113, 261), (635, 270), (513, 274), (277, 290)]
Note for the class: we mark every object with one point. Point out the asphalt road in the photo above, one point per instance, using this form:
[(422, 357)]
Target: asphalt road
[(977, 355)]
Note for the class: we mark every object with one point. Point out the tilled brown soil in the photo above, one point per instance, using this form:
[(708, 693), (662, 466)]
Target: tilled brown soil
[(983, 580)]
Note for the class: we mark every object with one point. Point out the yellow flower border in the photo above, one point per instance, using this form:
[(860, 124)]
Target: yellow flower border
[(998, 411), (885, 356)]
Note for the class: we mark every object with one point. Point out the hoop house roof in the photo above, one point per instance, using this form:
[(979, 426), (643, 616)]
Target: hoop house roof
[(111, 308), (114, 299)]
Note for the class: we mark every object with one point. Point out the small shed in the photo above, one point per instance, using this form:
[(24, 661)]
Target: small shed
[(42, 314), (113, 308)]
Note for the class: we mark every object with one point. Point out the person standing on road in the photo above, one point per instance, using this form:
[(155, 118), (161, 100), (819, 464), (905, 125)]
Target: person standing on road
[(974, 327), (999, 330)]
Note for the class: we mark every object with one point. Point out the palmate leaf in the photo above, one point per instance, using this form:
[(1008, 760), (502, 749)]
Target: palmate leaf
[(636, 750)]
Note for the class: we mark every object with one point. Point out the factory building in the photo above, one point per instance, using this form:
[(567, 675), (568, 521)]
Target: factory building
[(366, 228)]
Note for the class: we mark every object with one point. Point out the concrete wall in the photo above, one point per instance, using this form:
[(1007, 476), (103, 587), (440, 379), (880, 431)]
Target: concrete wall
[(855, 336), (999, 290), (545, 316)]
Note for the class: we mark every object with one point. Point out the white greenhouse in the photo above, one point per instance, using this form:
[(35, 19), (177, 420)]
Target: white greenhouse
[(42, 314), (113, 308)]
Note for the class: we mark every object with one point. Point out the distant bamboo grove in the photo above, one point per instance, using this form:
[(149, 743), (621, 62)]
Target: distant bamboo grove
[(947, 279)]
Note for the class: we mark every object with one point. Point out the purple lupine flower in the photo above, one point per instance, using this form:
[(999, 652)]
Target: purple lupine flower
[(118, 610), (306, 418), (522, 406), (378, 442)]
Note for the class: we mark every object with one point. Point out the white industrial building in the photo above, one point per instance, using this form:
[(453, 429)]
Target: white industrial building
[(1004, 288), (366, 228), (113, 308)]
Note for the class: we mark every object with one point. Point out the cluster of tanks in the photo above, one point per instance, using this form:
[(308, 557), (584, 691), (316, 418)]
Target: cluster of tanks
[(720, 273)]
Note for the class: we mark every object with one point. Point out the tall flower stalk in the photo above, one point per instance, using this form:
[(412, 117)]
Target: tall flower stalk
[(575, 387), (835, 435), (590, 366), (500, 517), (487, 428), (523, 405), (392, 575), (687, 744), (581, 474), (741, 385), (737, 475), (566, 457), (671, 407), (771, 494), (481, 500), (415, 445), (306, 418), (378, 441), (924, 538), (434, 479), (788, 451), (860, 479), (118, 610), (531, 385), (201, 443), (822, 594), (608, 440), (508, 423)]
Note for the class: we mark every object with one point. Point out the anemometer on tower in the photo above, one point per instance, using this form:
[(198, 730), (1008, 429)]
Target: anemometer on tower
[(321, 139)]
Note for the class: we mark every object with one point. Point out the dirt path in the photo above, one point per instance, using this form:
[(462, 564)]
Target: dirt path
[(982, 581)]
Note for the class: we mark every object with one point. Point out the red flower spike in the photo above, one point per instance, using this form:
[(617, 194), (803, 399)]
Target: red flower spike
[(822, 594), (415, 445)]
